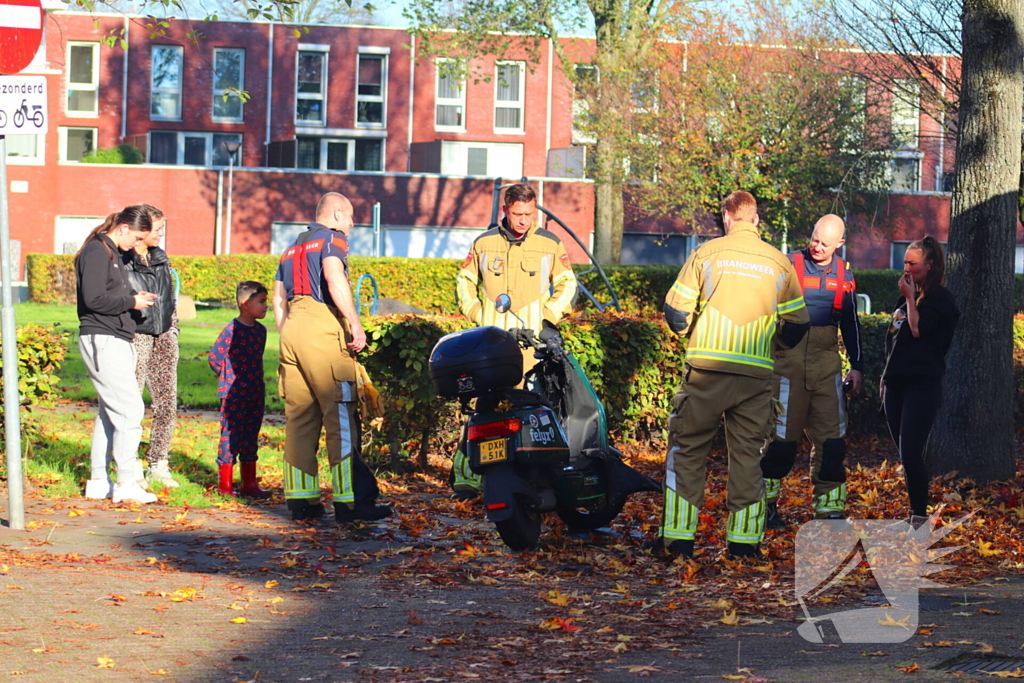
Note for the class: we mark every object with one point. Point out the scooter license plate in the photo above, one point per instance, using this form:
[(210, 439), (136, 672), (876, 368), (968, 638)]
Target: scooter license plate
[(492, 451)]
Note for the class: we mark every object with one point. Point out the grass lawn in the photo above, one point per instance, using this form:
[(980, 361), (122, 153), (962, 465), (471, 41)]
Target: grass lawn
[(197, 385)]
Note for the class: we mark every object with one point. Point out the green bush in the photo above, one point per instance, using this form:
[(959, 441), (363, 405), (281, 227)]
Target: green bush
[(41, 350), (122, 154)]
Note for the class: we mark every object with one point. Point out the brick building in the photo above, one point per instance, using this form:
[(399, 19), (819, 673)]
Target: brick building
[(344, 108)]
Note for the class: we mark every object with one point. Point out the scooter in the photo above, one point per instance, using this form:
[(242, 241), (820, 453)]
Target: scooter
[(541, 449)]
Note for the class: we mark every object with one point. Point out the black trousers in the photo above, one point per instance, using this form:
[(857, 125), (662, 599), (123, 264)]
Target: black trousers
[(910, 410)]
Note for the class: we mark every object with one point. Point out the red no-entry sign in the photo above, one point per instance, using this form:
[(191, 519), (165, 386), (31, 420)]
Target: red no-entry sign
[(21, 29)]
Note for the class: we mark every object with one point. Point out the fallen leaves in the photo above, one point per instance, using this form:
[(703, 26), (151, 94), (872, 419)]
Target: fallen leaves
[(558, 623), (985, 549), (104, 662)]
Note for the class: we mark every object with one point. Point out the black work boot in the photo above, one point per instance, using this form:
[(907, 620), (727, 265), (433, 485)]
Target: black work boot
[(773, 520), (365, 512), (681, 547), (744, 550), (463, 495), (302, 509)]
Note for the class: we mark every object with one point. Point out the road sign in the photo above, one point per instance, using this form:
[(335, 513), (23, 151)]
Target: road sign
[(21, 29), (22, 105)]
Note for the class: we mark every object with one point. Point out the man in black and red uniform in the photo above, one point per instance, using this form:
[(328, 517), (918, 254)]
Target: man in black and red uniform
[(808, 378), (320, 335)]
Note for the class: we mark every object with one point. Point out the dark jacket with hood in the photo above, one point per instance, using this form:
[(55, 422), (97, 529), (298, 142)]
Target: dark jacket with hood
[(105, 294), (155, 278)]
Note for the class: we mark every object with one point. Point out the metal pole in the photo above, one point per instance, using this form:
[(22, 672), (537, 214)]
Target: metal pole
[(218, 224), (231, 189), (9, 332), (378, 243)]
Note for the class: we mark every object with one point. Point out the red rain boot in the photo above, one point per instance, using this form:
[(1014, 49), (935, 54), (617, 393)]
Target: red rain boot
[(250, 486), (226, 484)]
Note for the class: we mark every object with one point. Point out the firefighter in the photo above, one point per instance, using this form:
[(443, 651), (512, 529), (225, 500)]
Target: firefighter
[(320, 335), (525, 261), (808, 378), (729, 299)]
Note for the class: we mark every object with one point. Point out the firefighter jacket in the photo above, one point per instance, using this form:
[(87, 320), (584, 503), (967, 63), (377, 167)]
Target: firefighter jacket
[(533, 270), (830, 294), (729, 298)]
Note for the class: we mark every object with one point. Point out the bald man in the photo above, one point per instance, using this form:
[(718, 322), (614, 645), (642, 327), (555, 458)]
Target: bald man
[(320, 334), (808, 378)]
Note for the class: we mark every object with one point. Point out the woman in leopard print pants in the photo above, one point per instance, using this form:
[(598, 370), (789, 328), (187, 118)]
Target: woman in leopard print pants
[(156, 348)]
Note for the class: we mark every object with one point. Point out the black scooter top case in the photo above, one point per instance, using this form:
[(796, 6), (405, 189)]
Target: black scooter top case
[(472, 362)]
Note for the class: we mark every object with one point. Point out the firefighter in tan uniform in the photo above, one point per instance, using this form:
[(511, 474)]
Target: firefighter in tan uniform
[(729, 299), (808, 378), (525, 261), (320, 335)]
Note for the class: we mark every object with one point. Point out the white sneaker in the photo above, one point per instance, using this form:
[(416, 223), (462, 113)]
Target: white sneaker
[(98, 489), (159, 475), (132, 491)]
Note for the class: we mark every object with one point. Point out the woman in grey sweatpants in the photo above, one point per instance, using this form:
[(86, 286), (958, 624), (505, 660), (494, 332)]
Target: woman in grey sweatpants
[(105, 302)]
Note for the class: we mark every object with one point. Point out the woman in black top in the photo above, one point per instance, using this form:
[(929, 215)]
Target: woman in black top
[(916, 344), (106, 300), (156, 347)]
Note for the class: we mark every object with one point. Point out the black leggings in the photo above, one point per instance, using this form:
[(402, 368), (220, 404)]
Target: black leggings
[(910, 410)]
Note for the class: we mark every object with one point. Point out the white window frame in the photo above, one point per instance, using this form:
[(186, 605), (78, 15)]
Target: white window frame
[(38, 160), (62, 136), (83, 87), (581, 106), (182, 134), (918, 157), (383, 54), (906, 113), (519, 104), (171, 91), (218, 93), (439, 101), (325, 53)]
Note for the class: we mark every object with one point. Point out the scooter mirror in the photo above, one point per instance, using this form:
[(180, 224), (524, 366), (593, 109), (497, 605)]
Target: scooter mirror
[(503, 303)]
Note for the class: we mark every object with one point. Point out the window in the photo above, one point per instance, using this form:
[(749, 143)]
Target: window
[(476, 162), (586, 82), (25, 150), (334, 154), (228, 81), (906, 106), (371, 89), (852, 113), (76, 143), (450, 98), (906, 173), (83, 76), (508, 97), (190, 149), (165, 93), (311, 87)]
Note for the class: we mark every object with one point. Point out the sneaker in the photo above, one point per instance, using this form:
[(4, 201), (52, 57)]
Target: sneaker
[(830, 515), (98, 489), (367, 513), (132, 491), (304, 510), (159, 475), (774, 520)]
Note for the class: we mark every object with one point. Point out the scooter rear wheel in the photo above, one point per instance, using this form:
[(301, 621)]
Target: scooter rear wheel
[(522, 529), (588, 520)]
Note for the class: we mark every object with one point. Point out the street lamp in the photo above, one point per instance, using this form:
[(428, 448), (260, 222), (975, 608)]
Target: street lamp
[(231, 147)]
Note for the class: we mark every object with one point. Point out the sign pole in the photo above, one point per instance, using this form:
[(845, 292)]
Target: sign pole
[(9, 334)]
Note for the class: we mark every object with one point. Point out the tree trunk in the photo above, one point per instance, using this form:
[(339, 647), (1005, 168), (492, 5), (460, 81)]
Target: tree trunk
[(974, 430), (607, 207)]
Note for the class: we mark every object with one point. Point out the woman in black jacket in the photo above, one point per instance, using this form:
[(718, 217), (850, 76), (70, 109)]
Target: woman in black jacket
[(106, 300), (156, 346), (916, 344)]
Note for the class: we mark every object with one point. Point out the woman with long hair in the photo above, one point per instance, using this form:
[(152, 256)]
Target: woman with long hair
[(156, 346), (106, 300), (919, 336)]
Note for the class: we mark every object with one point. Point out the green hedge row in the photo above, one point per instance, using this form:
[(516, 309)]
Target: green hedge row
[(426, 283), (634, 362), (41, 351)]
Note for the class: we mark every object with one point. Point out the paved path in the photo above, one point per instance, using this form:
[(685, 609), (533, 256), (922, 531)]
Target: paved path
[(111, 593)]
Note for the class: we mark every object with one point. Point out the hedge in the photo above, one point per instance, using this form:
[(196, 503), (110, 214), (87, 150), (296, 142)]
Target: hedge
[(41, 351), (426, 283)]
